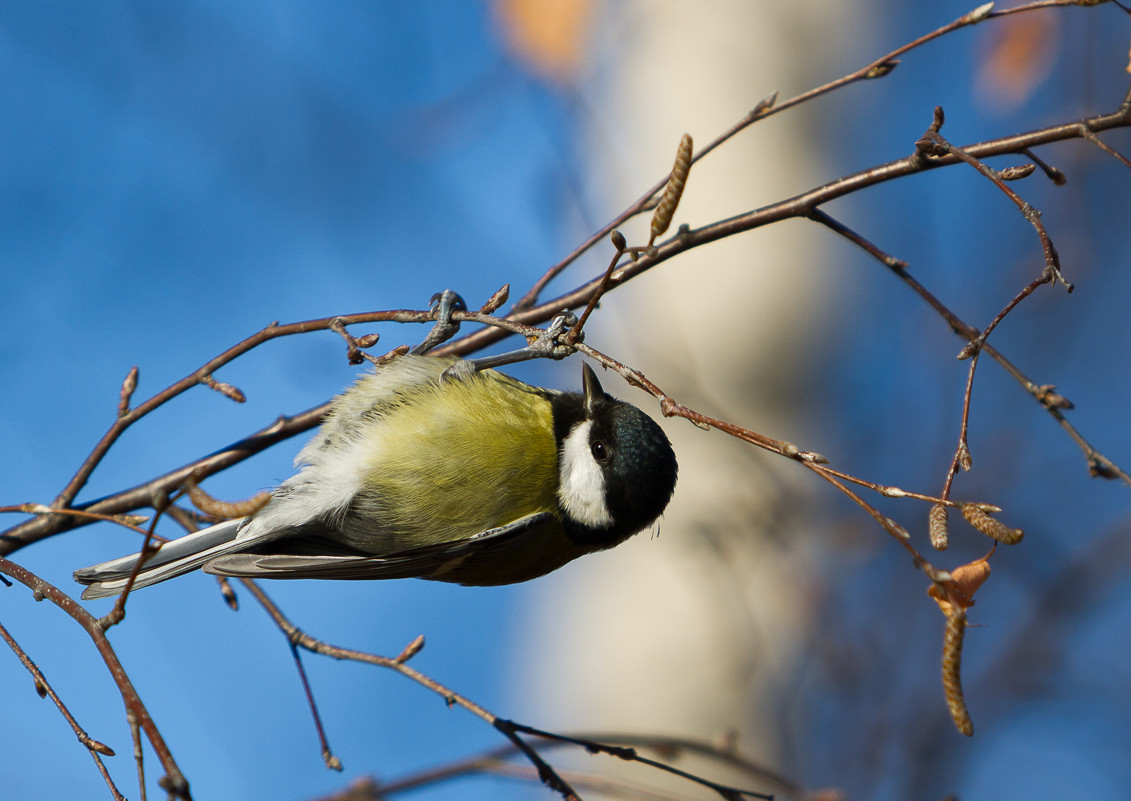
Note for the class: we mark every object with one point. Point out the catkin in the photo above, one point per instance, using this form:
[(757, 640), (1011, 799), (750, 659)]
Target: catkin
[(991, 527), (937, 528), (951, 671), (662, 217)]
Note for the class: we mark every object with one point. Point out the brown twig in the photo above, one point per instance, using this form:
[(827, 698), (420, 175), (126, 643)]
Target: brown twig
[(128, 521), (1052, 258), (173, 781), (803, 205), (160, 502), (283, 428), (510, 729), (1055, 404), (630, 754), (140, 496), (934, 144), (619, 245), (303, 640), (43, 688), (355, 348), (815, 462), (368, 789), (300, 639), (764, 108), (139, 752), (800, 206), (670, 748), (224, 510), (331, 761), (204, 376)]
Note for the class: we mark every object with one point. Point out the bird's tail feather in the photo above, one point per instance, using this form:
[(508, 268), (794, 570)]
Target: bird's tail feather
[(174, 558)]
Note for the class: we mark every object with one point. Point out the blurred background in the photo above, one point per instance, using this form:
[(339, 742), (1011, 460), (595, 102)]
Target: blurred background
[(173, 177)]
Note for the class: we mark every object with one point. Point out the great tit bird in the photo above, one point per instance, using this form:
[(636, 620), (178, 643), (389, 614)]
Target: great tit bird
[(424, 470)]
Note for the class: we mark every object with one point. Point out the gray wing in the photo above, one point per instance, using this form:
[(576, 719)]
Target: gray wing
[(529, 547)]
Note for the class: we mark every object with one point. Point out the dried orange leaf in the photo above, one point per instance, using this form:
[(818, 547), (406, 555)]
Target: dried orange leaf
[(956, 594)]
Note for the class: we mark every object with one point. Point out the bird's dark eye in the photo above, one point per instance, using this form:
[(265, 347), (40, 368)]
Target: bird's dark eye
[(599, 451)]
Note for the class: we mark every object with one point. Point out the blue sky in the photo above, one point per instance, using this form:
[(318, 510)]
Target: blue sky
[(175, 176)]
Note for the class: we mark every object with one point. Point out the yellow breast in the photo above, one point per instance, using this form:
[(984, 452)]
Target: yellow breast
[(454, 458)]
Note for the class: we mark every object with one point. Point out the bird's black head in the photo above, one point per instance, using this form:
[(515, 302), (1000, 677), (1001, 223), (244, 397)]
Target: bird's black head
[(617, 470)]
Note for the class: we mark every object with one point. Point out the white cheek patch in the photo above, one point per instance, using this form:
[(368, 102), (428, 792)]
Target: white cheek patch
[(582, 487)]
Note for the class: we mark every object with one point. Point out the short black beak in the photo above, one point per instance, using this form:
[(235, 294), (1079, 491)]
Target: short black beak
[(592, 388)]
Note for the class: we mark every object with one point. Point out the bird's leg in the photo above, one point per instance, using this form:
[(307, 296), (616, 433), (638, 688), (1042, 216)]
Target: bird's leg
[(442, 305), (547, 345)]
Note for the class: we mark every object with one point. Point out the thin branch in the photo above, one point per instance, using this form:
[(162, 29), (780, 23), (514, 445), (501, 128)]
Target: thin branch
[(1054, 403), (173, 781), (630, 754), (328, 757), (934, 144), (1052, 258), (43, 687), (368, 789), (140, 496), (669, 407), (766, 107), (803, 205), (511, 730), (303, 640), (203, 376), (668, 747), (139, 752)]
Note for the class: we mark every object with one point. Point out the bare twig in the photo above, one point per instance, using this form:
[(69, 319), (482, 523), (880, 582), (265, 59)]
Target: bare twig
[(669, 407), (803, 205), (64, 515), (670, 748), (799, 206), (139, 752), (328, 757), (1052, 258), (43, 687), (770, 106), (1054, 403), (355, 348), (173, 781), (933, 144), (620, 245), (630, 754), (117, 613), (510, 729)]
